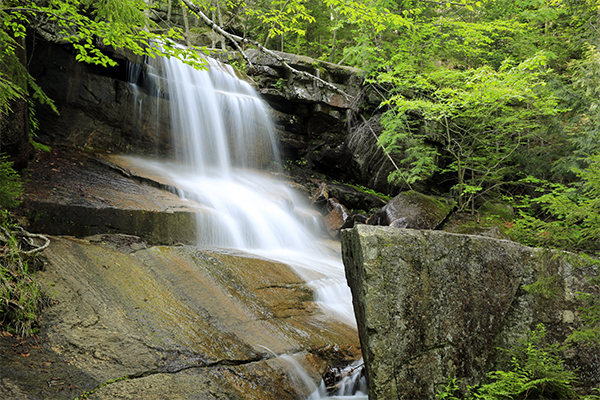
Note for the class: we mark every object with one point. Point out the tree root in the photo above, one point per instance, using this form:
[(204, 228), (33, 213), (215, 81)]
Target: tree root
[(23, 239)]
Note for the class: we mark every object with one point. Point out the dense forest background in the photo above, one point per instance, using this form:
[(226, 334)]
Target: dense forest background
[(497, 101)]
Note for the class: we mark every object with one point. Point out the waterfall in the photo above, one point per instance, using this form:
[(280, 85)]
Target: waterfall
[(225, 148)]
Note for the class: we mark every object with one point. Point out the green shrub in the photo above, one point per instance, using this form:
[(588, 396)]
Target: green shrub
[(537, 372), (10, 184), (564, 217), (21, 298)]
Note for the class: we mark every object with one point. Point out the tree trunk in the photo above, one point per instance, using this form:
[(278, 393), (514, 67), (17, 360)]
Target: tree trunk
[(461, 181), (220, 17), (169, 11), (186, 24), (333, 46)]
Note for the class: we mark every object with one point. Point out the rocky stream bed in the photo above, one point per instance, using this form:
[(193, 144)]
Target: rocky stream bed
[(136, 318)]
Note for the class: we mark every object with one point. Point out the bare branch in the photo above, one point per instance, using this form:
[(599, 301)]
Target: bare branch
[(237, 39), (385, 150)]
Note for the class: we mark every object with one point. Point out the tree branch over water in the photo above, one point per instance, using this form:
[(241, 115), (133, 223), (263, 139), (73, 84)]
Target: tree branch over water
[(236, 40)]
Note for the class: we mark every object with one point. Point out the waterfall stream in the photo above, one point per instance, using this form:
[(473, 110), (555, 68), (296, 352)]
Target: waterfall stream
[(225, 148)]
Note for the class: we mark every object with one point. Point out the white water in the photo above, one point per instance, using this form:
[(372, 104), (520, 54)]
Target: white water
[(223, 135)]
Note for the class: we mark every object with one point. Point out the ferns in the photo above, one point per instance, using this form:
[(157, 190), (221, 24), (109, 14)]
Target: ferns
[(537, 372), (10, 184)]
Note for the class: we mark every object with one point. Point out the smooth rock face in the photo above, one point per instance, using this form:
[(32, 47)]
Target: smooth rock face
[(431, 304), (170, 322), (98, 109), (71, 193)]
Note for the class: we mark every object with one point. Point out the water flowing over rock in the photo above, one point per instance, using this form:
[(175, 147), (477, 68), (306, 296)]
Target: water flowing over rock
[(171, 322), (71, 193), (99, 109), (431, 304), (126, 109), (249, 319)]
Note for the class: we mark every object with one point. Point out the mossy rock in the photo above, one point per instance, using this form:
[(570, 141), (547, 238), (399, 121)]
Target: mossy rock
[(490, 220), (502, 210), (413, 210)]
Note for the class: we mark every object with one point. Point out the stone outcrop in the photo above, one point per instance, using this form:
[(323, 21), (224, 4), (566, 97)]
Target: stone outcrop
[(99, 109), (129, 319), (431, 304), (337, 216), (303, 89), (72, 193), (314, 122), (412, 210), (134, 321)]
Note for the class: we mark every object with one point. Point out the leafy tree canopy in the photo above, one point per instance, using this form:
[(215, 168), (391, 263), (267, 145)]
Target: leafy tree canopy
[(87, 25)]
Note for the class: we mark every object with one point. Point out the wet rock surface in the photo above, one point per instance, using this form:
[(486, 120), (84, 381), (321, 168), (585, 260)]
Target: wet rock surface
[(432, 304), (72, 193), (98, 108), (101, 111), (133, 321)]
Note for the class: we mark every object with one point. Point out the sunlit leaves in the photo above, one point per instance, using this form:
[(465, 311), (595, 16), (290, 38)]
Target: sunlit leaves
[(371, 14), (121, 24), (117, 23), (478, 117), (283, 16)]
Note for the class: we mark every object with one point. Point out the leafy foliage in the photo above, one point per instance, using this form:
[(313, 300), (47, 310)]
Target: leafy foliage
[(537, 372), (10, 184), (567, 215), (283, 17), (21, 298), (478, 118), (589, 312), (85, 24)]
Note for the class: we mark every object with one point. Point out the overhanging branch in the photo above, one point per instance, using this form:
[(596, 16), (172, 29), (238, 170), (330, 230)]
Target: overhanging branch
[(236, 40)]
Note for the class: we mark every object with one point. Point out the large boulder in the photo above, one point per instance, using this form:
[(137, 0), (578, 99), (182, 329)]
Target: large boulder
[(432, 305), (412, 210)]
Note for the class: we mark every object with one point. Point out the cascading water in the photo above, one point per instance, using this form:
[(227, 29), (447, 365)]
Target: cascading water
[(223, 138)]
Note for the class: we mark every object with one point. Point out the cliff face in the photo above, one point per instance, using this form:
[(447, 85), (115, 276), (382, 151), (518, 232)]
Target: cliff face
[(319, 130), (431, 304), (99, 110)]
